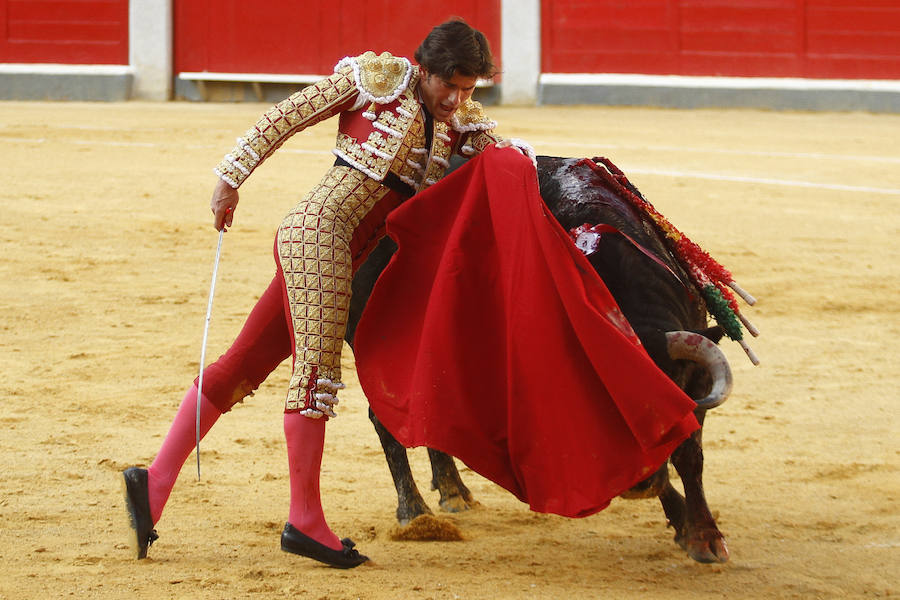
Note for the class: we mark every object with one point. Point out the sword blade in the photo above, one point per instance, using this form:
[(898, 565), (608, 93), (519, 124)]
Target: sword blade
[(212, 291)]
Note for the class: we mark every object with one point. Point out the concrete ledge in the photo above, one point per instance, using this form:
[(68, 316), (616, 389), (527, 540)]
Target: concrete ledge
[(674, 91), (105, 83)]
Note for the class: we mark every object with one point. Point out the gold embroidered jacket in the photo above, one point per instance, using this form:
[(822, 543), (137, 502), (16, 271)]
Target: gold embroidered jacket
[(381, 129)]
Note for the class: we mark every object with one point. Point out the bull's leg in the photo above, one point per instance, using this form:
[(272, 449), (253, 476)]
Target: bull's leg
[(410, 503), (673, 506), (455, 496), (697, 532)]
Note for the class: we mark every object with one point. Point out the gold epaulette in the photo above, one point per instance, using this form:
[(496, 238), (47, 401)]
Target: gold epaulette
[(380, 78), (470, 117)]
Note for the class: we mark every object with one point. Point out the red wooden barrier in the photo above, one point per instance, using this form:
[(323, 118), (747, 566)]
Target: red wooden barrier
[(781, 38), (853, 39), (752, 38), (286, 36), (64, 31)]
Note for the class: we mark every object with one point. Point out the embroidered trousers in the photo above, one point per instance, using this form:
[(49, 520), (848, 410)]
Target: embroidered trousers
[(304, 311)]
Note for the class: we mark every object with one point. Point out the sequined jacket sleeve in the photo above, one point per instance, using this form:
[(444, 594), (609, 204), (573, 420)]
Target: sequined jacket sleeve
[(477, 141), (476, 128), (303, 109)]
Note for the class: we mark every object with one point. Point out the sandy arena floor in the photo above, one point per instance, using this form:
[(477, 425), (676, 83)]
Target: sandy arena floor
[(107, 251)]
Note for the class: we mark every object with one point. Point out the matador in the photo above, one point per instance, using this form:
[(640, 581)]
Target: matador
[(399, 124), (388, 147)]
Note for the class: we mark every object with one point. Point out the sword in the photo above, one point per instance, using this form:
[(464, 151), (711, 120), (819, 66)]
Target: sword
[(212, 291)]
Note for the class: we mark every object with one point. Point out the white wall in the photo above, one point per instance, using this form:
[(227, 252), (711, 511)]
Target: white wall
[(521, 50), (150, 48)]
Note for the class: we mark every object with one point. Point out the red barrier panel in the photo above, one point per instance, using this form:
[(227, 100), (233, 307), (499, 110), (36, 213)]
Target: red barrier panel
[(749, 38), (853, 39), (64, 31), (771, 38), (286, 36)]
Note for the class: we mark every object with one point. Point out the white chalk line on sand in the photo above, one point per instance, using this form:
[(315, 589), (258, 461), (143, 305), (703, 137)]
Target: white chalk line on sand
[(765, 181), (633, 169), (763, 153)]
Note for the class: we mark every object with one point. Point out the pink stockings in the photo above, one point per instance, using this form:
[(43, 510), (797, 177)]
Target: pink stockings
[(264, 342), (305, 441), (176, 448)]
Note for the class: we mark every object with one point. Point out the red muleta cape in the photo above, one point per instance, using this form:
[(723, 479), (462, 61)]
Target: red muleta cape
[(490, 337)]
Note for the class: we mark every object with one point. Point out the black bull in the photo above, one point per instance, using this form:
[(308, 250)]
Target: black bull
[(654, 300)]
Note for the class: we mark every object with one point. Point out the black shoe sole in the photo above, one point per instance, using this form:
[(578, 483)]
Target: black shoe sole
[(137, 506)]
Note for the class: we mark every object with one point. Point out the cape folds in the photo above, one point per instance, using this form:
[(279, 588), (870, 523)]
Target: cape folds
[(490, 337)]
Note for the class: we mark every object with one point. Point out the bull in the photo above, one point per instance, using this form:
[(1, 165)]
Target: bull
[(663, 308)]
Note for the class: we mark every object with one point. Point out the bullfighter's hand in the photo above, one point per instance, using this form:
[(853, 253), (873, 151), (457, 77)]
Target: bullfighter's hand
[(508, 144), (223, 204), (521, 145)]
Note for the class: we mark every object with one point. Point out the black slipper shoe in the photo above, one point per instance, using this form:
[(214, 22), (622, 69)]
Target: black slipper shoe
[(296, 542), (137, 502)]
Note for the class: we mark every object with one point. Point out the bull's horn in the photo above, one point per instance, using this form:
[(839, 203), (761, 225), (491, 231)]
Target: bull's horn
[(693, 346)]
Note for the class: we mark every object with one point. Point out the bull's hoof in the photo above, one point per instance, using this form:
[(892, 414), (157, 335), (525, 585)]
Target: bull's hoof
[(706, 546), (455, 504)]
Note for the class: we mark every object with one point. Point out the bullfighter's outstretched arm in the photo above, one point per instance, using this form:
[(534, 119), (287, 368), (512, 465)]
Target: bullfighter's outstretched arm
[(305, 108)]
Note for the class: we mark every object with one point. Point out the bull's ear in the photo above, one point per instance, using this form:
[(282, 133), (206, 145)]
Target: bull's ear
[(713, 334)]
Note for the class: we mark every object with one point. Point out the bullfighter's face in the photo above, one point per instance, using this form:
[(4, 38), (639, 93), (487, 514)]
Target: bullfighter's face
[(442, 97)]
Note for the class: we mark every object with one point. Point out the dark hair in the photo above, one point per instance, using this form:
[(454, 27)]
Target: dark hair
[(455, 47)]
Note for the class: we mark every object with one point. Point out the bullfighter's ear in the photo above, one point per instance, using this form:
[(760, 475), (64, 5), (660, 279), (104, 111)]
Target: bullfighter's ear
[(713, 334)]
